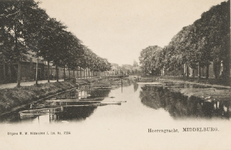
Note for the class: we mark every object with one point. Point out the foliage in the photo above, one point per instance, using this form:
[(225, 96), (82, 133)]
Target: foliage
[(206, 40), (150, 60), (26, 28)]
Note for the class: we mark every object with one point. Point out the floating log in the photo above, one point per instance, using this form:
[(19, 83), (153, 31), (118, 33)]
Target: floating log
[(83, 101), (94, 104), (74, 100)]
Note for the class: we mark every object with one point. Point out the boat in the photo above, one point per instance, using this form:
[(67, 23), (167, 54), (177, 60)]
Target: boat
[(32, 113)]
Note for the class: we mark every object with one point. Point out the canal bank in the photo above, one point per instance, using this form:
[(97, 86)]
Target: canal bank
[(16, 98), (12, 99), (198, 89), (117, 123), (200, 96)]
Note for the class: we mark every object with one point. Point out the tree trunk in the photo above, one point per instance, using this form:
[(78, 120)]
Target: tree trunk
[(48, 70), (226, 70), (77, 73), (4, 71), (199, 70), (73, 73), (216, 68), (207, 71), (9, 72), (69, 73), (88, 73), (17, 51), (19, 74), (187, 71), (57, 73), (36, 73), (184, 70), (64, 73), (162, 74), (193, 73)]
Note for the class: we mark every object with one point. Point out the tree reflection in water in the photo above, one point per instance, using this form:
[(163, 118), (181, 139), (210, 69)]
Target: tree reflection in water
[(81, 112), (180, 106), (136, 86), (73, 113), (100, 93), (84, 92)]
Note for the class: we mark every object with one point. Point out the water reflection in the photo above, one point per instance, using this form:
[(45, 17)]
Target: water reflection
[(136, 86), (100, 93), (72, 113), (76, 104), (180, 106)]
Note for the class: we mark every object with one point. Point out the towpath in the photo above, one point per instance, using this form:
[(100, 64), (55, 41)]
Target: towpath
[(13, 85)]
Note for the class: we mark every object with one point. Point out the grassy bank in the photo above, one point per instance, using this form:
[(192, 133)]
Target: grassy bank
[(10, 98), (206, 90), (13, 98), (202, 81)]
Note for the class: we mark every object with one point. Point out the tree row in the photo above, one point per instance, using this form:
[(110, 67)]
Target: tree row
[(205, 42), (25, 29)]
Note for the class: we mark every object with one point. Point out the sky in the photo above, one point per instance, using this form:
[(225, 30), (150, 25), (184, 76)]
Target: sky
[(119, 29)]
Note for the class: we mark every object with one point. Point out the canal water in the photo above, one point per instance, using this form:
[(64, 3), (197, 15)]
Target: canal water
[(132, 117)]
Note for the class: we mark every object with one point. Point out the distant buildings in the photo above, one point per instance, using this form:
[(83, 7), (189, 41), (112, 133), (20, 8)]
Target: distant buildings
[(125, 69)]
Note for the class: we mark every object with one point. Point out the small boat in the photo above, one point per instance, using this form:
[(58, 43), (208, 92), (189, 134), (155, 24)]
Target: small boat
[(32, 113)]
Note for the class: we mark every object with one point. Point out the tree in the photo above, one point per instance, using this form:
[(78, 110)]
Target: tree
[(135, 64), (148, 60), (15, 18)]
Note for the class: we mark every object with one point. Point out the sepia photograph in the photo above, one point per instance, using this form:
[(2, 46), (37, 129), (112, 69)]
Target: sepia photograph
[(115, 75)]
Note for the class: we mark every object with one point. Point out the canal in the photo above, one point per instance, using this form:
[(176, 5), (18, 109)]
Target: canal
[(132, 117)]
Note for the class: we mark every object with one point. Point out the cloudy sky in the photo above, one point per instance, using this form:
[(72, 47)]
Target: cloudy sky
[(119, 29)]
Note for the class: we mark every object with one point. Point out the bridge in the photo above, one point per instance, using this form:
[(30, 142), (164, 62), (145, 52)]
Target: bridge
[(117, 76)]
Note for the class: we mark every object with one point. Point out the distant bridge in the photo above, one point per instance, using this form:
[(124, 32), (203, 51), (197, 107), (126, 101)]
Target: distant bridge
[(117, 76)]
